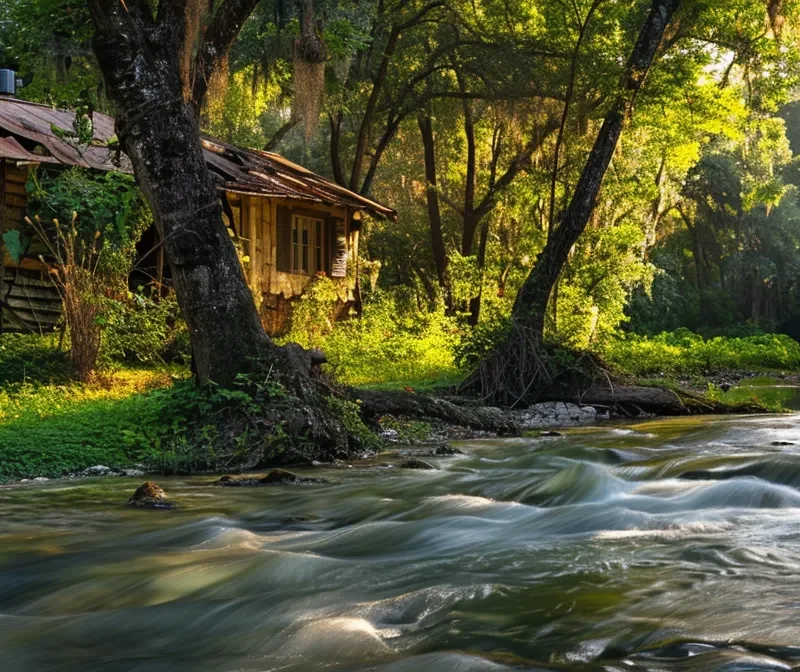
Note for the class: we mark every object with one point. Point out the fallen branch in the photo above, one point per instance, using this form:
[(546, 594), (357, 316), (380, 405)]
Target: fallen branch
[(659, 401), (411, 405)]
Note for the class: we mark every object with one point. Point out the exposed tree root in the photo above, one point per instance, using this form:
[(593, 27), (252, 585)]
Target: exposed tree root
[(406, 404), (523, 371)]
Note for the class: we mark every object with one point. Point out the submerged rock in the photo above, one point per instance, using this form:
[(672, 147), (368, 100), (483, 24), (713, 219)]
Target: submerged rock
[(274, 477), (551, 433), (782, 443), (150, 495), (446, 450), (415, 463), (283, 476)]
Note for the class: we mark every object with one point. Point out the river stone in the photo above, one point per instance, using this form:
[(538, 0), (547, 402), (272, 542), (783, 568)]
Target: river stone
[(97, 470), (555, 414), (150, 495), (446, 450), (274, 477), (415, 463)]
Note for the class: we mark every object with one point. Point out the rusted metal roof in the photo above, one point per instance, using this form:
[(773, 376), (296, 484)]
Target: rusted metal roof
[(10, 149), (34, 123), (252, 171), (244, 171)]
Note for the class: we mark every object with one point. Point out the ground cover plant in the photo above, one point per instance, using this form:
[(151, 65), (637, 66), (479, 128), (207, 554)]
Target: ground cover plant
[(683, 353)]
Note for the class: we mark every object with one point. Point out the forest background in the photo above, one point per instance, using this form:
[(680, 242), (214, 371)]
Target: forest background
[(474, 120)]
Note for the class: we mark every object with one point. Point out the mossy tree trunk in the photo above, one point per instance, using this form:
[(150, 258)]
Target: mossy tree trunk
[(143, 57)]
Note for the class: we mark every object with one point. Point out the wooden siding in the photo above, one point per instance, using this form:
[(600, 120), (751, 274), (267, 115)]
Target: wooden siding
[(276, 290), (29, 302), (28, 299), (13, 197)]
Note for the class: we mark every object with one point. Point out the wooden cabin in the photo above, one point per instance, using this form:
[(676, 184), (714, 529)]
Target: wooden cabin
[(291, 223)]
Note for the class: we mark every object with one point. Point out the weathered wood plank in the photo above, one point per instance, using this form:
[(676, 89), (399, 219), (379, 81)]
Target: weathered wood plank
[(16, 188), (33, 305), (24, 289), (11, 275)]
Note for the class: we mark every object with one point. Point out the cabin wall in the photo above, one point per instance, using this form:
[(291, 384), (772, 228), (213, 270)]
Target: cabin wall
[(28, 299), (276, 291)]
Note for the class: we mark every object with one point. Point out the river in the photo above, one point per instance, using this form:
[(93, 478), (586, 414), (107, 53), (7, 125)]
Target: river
[(671, 545)]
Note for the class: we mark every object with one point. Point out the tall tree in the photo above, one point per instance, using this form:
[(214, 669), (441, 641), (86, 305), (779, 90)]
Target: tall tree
[(157, 66), (514, 367)]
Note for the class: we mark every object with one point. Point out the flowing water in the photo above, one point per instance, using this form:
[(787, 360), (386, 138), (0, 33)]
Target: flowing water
[(669, 546)]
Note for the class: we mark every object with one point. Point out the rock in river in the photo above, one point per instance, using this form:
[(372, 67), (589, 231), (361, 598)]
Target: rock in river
[(415, 463), (274, 477), (149, 495)]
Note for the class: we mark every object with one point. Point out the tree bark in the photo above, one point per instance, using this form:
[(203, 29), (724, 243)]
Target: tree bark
[(158, 128), (336, 137), (515, 367), (432, 196), (375, 404), (475, 301)]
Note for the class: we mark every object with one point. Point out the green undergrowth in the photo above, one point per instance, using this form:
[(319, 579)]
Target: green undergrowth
[(51, 429), (394, 343), (31, 358), (151, 420), (155, 418), (684, 354)]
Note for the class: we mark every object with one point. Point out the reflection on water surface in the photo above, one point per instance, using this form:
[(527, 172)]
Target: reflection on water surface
[(669, 545)]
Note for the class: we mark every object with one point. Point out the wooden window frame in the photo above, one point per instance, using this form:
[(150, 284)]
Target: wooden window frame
[(302, 259)]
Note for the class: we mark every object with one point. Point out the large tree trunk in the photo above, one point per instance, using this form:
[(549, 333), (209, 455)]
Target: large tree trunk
[(514, 368), (158, 128)]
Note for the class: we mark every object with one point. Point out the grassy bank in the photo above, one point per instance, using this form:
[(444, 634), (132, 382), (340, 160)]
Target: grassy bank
[(683, 354), (51, 425)]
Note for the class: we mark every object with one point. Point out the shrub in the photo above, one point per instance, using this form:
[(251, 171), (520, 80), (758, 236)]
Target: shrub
[(392, 341), (139, 328), (683, 352), (312, 313), (82, 286)]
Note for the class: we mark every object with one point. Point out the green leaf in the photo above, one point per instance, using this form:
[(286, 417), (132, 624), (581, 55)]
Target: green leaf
[(12, 241)]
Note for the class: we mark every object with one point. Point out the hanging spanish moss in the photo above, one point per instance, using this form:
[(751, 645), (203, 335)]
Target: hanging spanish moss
[(195, 10), (217, 92), (308, 56), (776, 11)]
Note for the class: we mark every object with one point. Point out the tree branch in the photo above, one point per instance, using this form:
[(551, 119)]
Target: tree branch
[(336, 136), (516, 165), (280, 134), (225, 25)]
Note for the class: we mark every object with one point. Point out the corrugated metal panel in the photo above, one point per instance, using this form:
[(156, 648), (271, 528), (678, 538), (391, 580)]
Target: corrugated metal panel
[(242, 170), (12, 150)]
